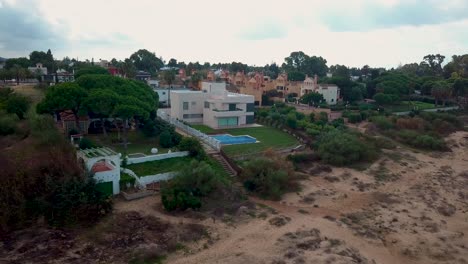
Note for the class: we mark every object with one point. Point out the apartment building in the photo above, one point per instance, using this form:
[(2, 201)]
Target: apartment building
[(213, 106)]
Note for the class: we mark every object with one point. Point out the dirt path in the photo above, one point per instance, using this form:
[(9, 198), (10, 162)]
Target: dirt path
[(409, 225)]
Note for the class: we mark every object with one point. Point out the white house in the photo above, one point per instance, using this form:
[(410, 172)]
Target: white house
[(38, 69), (163, 93), (213, 106), (104, 164), (330, 92)]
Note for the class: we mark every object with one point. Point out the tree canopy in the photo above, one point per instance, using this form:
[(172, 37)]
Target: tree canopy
[(145, 60)]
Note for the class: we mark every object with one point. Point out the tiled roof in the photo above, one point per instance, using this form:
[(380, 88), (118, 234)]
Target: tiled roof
[(101, 166), (67, 115)]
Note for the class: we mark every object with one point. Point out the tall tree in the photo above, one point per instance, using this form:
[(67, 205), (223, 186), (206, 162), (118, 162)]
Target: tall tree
[(21, 62), (299, 61), (146, 61), (172, 63), (434, 63), (65, 96), (441, 91), (102, 102)]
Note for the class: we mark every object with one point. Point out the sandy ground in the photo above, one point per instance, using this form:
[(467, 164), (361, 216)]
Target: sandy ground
[(408, 207)]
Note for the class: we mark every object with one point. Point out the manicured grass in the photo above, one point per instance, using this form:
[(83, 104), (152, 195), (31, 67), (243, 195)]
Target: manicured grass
[(172, 164), (158, 166), (410, 105), (204, 129), (268, 137), (138, 142)]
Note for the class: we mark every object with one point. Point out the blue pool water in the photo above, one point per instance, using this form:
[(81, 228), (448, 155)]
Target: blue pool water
[(227, 139)]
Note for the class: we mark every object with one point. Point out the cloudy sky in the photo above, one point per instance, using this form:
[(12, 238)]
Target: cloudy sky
[(351, 32)]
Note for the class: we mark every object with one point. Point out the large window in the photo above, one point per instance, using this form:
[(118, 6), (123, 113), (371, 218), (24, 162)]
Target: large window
[(185, 105), (250, 107), (250, 119), (207, 105), (190, 116), (227, 121), (232, 107)]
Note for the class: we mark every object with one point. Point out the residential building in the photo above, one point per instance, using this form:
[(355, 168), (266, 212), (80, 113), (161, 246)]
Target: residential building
[(164, 93), (153, 83), (104, 165), (330, 92), (39, 69), (213, 106), (142, 76)]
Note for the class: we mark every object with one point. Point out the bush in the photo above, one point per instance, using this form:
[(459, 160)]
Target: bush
[(18, 105), (269, 176), (7, 124), (323, 116), (410, 123), (340, 148), (194, 181), (291, 121), (86, 143), (354, 118), (125, 179), (193, 146), (382, 122)]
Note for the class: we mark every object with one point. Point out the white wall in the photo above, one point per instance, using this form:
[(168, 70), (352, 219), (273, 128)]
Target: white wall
[(330, 93), (157, 157), (195, 101), (157, 178), (109, 176)]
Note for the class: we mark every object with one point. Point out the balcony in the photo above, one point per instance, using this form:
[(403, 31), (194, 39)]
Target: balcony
[(237, 109), (228, 113)]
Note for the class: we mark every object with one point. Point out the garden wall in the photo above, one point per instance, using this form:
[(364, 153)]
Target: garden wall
[(157, 157), (157, 178)]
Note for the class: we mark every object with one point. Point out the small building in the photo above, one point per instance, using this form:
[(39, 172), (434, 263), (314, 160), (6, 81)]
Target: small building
[(153, 83), (330, 92), (104, 165), (213, 106), (142, 76), (67, 122), (61, 76), (39, 69)]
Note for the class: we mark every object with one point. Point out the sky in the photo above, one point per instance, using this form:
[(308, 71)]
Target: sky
[(379, 33)]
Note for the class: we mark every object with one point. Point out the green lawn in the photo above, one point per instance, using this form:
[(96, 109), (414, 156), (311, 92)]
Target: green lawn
[(408, 106), (158, 166), (268, 137), (172, 164), (204, 129), (138, 142)]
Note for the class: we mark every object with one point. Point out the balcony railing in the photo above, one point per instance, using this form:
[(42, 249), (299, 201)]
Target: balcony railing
[(237, 109)]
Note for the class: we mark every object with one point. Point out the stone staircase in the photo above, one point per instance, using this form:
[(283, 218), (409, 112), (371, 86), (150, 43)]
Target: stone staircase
[(224, 164)]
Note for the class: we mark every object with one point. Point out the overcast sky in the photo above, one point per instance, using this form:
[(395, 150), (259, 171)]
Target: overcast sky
[(350, 32)]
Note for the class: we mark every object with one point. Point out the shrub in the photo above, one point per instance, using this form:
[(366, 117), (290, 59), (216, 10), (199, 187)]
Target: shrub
[(410, 123), (86, 143), (354, 118), (291, 121), (269, 176), (382, 122), (340, 148), (323, 116), (303, 157), (193, 146), (338, 122), (194, 181), (300, 116), (18, 105), (312, 132), (312, 117), (7, 124), (428, 142)]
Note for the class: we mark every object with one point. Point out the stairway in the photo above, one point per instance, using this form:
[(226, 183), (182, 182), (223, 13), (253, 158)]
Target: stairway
[(224, 164)]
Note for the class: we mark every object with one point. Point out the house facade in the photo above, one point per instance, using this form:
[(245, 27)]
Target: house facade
[(39, 69), (330, 92), (213, 106), (104, 165)]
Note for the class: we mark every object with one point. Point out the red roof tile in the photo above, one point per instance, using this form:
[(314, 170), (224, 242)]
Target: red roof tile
[(101, 166)]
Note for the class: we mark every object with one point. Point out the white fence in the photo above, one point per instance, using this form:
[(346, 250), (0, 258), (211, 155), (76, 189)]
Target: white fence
[(212, 142), (157, 157)]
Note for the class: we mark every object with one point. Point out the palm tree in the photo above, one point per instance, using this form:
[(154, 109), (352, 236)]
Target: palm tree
[(441, 92)]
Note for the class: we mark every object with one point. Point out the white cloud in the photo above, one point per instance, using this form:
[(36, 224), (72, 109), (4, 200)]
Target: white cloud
[(214, 31)]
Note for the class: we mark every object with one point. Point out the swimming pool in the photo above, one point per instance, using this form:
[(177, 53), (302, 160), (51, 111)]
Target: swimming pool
[(227, 139)]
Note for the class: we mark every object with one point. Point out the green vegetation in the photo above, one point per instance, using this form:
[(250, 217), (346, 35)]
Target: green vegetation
[(424, 130), (404, 106), (126, 179), (204, 129), (159, 166), (269, 176), (340, 148), (193, 146), (194, 181), (268, 137)]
